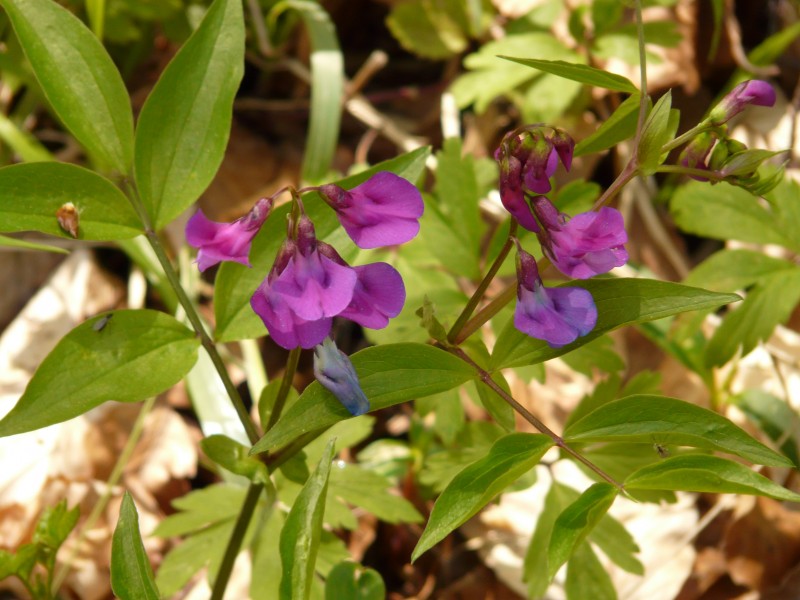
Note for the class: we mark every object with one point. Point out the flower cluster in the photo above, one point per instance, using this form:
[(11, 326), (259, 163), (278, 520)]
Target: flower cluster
[(309, 283), (588, 244), (726, 159)]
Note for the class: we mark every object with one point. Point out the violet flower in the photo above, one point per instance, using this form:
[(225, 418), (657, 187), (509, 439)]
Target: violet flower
[(382, 211), (589, 244), (217, 242), (378, 296), (754, 91), (336, 373), (558, 316), (511, 194)]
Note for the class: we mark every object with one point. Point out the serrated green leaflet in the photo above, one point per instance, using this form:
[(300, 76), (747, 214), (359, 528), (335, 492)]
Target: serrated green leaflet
[(577, 72), (78, 78), (698, 473), (646, 418), (236, 283), (131, 573), (389, 375), (509, 458), (185, 122), (150, 351), (33, 193), (301, 533), (576, 522), (619, 302)]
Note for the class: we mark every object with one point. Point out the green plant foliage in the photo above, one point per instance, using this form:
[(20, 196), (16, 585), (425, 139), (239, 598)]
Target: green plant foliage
[(351, 580), (774, 417), (190, 108), (586, 576), (431, 28), (620, 126), (659, 128), (33, 193), (233, 456), (131, 573), (147, 349), (579, 72)]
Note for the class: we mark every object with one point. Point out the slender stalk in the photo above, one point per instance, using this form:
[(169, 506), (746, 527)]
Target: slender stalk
[(487, 380), (286, 385), (102, 502), (236, 539), (686, 137), (681, 170), (642, 73), (487, 312), (477, 296), (194, 318)]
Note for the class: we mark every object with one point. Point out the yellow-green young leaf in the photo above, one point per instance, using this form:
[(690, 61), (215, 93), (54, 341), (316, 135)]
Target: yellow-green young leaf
[(131, 573), (301, 533), (233, 456), (509, 458), (351, 580), (619, 302), (587, 577), (389, 375), (576, 522), (430, 29), (236, 283), (184, 124), (645, 419), (656, 132), (699, 473), (34, 193), (327, 86), (577, 72), (78, 78), (125, 355)]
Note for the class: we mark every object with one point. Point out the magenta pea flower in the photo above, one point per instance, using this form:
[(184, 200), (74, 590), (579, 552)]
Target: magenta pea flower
[(378, 296), (217, 242), (586, 245), (559, 315), (754, 91), (336, 373), (383, 211)]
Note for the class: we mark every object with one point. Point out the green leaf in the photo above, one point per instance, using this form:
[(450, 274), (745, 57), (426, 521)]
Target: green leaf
[(78, 78), (619, 302), (233, 456), (389, 375), (655, 133), (22, 142), (131, 573), (301, 533), (355, 485), (774, 417), (469, 491), (620, 126), (577, 72), (184, 124), (19, 563), (54, 526), (726, 212), (587, 577), (200, 508), (769, 303), (236, 283), (698, 473), (644, 418), (10, 242), (327, 86), (33, 193), (576, 522), (429, 28), (352, 581), (147, 350), (731, 270)]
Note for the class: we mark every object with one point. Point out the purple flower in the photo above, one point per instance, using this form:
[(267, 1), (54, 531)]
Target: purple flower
[(755, 91), (588, 244), (378, 296), (382, 211), (336, 373), (217, 242), (558, 316)]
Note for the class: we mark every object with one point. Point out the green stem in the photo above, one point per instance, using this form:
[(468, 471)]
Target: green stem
[(477, 296), (487, 380), (286, 385), (681, 170), (686, 137), (628, 173), (487, 312), (236, 539), (194, 318), (642, 74)]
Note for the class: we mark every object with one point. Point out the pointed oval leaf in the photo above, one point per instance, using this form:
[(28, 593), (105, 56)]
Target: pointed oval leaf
[(33, 193), (131, 574), (655, 133), (648, 419), (700, 473), (509, 458), (78, 78), (576, 522), (124, 355), (236, 283), (351, 580), (302, 530), (184, 125), (619, 302), (577, 72), (389, 375)]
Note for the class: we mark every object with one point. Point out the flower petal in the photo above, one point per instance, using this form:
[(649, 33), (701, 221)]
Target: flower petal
[(285, 327), (378, 296), (556, 315)]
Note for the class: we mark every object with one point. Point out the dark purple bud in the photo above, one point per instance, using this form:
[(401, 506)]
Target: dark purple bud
[(565, 147), (755, 91)]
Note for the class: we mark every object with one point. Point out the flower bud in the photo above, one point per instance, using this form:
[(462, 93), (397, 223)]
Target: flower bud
[(336, 373), (756, 92)]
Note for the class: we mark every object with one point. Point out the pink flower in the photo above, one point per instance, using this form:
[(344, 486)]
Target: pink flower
[(382, 211), (379, 295), (217, 242), (754, 91)]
